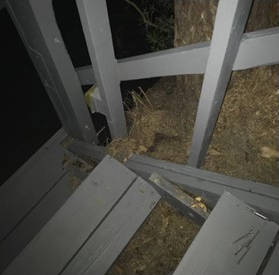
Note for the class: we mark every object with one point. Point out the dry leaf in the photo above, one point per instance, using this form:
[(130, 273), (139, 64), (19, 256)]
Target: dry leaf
[(267, 152)]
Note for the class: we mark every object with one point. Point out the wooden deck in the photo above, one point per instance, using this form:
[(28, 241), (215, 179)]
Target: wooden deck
[(83, 232)]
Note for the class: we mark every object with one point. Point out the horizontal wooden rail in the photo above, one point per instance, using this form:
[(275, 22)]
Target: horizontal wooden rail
[(256, 49)]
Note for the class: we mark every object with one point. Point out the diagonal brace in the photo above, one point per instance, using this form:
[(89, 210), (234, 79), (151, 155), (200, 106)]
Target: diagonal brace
[(229, 26)]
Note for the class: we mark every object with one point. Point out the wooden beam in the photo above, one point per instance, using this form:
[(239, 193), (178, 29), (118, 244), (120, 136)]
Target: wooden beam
[(209, 185), (257, 48), (36, 24), (111, 237), (95, 23), (86, 75), (183, 60), (183, 202), (230, 21), (29, 184)]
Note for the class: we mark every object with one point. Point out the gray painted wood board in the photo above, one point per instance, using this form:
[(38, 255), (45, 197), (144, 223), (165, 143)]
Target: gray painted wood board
[(233, 240), (66, 232), (103, 247)]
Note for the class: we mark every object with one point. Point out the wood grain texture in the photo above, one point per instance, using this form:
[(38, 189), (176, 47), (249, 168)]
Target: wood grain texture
[(103, 247), (66, 232)]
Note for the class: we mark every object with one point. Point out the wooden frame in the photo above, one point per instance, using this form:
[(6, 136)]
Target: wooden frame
[(36, 24), (229, 50)]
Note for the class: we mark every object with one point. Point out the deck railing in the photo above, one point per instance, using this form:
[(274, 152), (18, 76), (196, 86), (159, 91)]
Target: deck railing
[(230, 49)]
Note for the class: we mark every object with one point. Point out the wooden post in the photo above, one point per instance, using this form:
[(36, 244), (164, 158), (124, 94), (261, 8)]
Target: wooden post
[(36, 24), (229, 26), (95, 23)]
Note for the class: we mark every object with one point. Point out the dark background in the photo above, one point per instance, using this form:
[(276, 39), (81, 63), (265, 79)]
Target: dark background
[(27, 116)]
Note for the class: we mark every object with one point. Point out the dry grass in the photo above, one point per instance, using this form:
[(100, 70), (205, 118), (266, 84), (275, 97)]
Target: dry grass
[(159, 245), (147, 123), (248, 121)]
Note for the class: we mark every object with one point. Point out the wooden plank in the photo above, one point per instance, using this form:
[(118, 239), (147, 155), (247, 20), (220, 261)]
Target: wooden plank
[(36, 24), (175, 196), (189, 59), (103, 247), (272, 266), (257, 48), (209, 185), (34, 221), (95, 23), (56, 244), (229, 25), (207, 176), (233, 240), (23, 190)]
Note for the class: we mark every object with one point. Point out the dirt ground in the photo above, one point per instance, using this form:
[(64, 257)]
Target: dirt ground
[(161, 126)]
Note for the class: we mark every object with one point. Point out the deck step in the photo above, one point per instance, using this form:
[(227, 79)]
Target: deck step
[(104, 212), (235, 239), (100, 251)]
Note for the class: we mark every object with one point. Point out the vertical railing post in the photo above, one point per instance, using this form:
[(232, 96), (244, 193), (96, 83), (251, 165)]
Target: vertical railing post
[(36, 24), (229, 26), (95, 23)]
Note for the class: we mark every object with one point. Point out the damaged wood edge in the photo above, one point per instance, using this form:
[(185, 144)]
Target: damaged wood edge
[(210, 185), (179, 199), (206, 184)]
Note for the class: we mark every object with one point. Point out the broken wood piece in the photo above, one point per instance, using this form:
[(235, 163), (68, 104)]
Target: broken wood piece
[(192, 207)]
